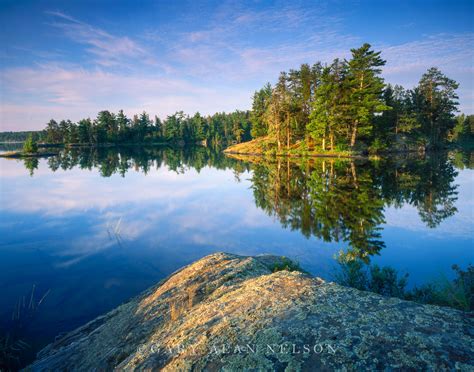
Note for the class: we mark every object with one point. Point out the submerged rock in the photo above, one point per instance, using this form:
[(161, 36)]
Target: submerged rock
[(231, 313)]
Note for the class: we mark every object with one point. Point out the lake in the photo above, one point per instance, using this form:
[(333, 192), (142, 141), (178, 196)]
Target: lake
[(84, 231)]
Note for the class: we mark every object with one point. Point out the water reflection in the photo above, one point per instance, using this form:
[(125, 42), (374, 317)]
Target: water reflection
[(110, 161), (332, 200), (341, 200), (335, 200)]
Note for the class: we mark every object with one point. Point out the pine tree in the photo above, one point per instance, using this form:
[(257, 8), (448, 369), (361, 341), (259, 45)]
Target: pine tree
[(366, 87), (278, 114), (400, 118), (144, 126), (261, 100), (328, 120), (437, 103), (123, 126), (84, 131), (53, 133)]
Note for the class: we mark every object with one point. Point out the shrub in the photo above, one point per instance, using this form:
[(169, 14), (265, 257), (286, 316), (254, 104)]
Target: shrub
[(286, 264), (352, 273), (458, 293), (30, 146), (385, 281)]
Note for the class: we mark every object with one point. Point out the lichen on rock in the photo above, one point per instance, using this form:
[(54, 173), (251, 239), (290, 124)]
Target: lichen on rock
[(227, 312)]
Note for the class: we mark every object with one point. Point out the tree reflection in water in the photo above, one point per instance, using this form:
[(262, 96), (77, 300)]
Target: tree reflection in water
[(335, 200), (344, 200)]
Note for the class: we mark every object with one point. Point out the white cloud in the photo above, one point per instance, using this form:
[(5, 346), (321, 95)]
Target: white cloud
[(451, 53), (38, 94), (109, 50), (206, 69)]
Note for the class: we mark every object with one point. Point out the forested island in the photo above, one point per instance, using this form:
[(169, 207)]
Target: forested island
[(344, 108)]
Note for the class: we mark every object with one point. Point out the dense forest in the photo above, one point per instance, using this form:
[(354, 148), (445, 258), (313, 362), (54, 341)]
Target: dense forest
[(12, 137), (110, 128), (347, 105), (118, 128)]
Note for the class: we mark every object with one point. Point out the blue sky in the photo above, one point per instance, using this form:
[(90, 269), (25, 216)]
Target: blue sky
[(70, 59)]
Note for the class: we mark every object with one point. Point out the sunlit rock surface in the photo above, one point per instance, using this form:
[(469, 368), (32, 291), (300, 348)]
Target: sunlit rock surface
[(228, 312)]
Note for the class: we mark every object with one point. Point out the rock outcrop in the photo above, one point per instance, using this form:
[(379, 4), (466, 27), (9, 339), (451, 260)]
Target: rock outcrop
[(232, 313)]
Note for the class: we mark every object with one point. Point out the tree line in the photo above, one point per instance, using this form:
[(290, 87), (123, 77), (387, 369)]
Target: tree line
[(118, 128), (12, 137), (347, 105)]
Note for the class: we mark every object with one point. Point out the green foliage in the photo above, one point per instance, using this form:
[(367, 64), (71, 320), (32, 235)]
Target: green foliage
[(113, 160), (352, 273), (347, 104), (344, 106), (436, 100), (260, 103), (377, 146), (109, 128), (31, 164), (463, 130), (343, 201), (328, 121), (458, 293), (6, 137), (365, 88), (286, 265), (386, 282), (397, 124), (462, 159), (30, 146)]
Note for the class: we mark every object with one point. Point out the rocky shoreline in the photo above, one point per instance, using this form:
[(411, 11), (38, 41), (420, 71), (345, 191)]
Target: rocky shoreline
[(228, 312)]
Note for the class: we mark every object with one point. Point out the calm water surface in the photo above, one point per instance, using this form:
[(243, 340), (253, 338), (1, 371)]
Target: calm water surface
[(88, 229)]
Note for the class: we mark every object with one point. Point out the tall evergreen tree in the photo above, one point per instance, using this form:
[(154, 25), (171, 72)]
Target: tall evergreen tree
[(84, 131), (53, 132), (261, 100), (437, 102), (329, 118), (400, 118), (366, 86), (123, 124)]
